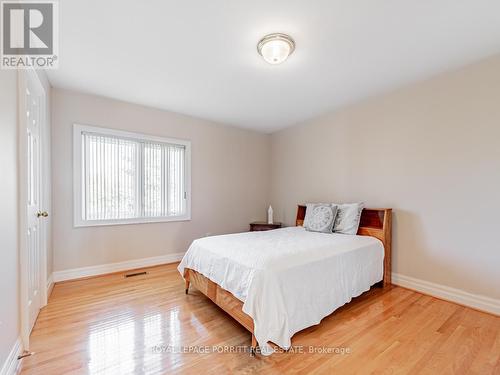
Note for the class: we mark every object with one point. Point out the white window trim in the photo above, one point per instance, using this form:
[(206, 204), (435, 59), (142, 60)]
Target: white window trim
[(78, 180)]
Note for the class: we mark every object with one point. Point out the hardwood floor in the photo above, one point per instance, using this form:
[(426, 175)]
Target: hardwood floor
[(112, 325)]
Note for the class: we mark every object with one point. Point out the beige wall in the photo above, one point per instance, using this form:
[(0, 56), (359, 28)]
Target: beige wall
[(432, 152), (230, 181), (9, 253)]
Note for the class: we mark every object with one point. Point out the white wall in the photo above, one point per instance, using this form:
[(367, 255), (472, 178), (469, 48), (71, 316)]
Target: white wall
[(230, 181), (9, 254), (431, 151)]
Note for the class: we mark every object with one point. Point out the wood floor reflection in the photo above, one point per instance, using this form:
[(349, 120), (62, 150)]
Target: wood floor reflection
[(141, 325)]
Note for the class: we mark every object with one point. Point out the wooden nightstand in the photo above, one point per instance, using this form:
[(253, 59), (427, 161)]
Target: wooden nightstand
[(258, 226)]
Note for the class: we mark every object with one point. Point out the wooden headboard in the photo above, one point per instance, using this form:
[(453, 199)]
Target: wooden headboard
[(375, 222)]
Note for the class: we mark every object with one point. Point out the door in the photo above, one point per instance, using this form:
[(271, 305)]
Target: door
[(33, 261)]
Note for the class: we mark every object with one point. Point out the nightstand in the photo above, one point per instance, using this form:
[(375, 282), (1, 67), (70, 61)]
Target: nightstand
[(259, 226)]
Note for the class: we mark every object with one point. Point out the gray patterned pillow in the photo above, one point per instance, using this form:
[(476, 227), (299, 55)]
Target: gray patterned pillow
[(320, 217), (348, 217)]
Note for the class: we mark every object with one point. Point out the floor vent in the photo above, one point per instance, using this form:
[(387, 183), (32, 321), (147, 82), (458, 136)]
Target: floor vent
[(136, 274), (24, 355)]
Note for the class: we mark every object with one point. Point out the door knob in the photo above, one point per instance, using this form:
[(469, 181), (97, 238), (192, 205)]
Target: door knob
[(42, 214)]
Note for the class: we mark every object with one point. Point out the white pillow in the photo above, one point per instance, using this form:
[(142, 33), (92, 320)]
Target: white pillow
[(348, 217), (320, 217)]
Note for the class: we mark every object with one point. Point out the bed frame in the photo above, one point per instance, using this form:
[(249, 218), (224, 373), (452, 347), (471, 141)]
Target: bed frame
[(375, 222)]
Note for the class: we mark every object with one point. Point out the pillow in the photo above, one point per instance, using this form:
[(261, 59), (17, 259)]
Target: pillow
[(348, 217), (320, 217)]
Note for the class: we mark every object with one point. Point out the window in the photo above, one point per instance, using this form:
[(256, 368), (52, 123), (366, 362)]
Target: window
[(123, 177)]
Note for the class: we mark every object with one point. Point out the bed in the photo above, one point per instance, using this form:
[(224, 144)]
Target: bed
[(278, 282)]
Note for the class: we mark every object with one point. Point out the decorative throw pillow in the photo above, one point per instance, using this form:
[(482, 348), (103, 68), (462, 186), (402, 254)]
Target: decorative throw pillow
[(320, 217), (348, 217)]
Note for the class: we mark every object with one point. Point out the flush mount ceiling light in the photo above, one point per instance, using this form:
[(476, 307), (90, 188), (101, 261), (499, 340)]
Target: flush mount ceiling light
[(275, 48)]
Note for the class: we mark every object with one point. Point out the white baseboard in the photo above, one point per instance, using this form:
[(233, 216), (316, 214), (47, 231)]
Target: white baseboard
[(11, 364), (50, 285), (475, 301), (78, 273)]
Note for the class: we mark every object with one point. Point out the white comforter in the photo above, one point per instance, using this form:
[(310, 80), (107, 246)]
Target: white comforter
[(288, 279)]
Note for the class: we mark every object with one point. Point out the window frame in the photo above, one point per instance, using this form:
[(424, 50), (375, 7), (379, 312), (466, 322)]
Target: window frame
[(78, 179)]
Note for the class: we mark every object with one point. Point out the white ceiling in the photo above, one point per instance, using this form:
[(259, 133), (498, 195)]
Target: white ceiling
[(199, 57)]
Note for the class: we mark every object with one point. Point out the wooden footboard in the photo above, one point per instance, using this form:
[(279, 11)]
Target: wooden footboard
[(222, 298)]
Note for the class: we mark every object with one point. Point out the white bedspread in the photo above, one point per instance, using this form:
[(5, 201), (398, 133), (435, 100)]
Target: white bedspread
[(288, 279)]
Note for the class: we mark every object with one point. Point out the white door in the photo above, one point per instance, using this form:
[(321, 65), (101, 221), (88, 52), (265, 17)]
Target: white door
[(34, 99)]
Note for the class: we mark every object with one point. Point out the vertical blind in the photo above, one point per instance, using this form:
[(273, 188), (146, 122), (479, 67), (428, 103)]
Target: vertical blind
[(127, 178)]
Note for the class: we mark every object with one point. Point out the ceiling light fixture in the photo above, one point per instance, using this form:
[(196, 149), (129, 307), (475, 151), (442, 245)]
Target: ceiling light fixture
[(275, 48)]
